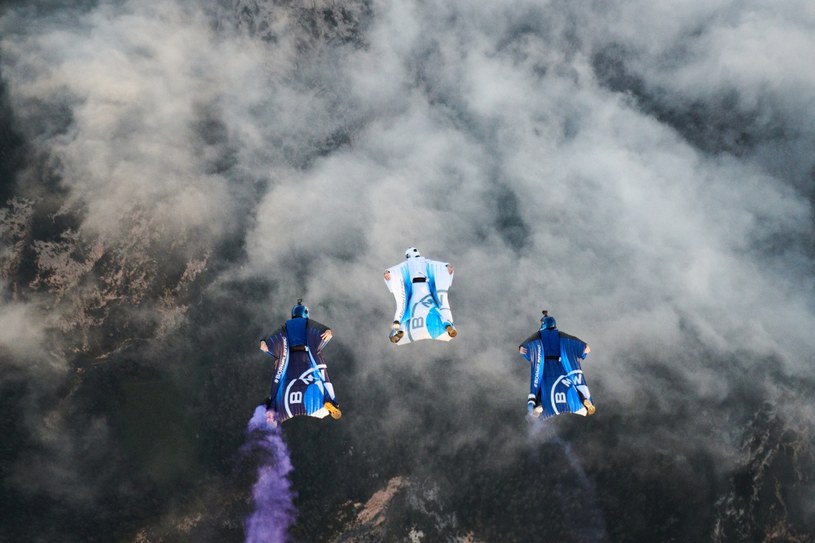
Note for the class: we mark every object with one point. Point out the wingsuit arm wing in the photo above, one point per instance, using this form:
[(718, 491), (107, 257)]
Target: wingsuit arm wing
[(442, 274), (525, 345), (532, 345), (577, 346), (317, 334), (398, 285), (274, 342)]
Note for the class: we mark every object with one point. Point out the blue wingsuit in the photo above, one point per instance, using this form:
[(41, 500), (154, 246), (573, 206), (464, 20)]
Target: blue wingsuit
[(556, 383), (301, 385)]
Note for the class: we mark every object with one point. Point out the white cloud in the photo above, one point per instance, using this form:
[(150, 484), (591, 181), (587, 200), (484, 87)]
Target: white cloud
[(485, 138)]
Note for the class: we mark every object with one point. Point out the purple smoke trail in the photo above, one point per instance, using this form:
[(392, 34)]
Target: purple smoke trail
[(272, 494)]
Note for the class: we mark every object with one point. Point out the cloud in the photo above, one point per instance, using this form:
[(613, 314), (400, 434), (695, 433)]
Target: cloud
[(638, 239), (725, 76), (642, 171), (142, 96), (599, 183), (23, 333)]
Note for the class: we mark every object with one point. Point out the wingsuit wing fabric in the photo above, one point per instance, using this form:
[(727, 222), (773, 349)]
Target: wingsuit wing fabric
[(422, 308), (301, 384), (557, 381)]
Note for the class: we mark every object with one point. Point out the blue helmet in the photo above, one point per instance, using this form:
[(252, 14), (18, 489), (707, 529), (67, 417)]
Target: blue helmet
[(299, 311), (547, 322)]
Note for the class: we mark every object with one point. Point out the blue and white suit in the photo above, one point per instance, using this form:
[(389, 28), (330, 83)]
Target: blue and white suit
[(301, 385), (556, 382), (420, 288)]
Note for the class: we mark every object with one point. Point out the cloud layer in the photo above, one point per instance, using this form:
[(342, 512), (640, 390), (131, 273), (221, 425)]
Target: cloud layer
[(644, 172)]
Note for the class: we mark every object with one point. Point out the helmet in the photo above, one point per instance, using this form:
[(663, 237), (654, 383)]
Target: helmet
[(299, 311), (547, 322), (411, 251)]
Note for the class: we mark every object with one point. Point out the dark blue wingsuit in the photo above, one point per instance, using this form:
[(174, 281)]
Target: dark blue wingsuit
[(301, 385), (556, 382)]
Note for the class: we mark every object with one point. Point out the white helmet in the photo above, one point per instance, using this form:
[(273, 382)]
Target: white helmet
[(411, 251)]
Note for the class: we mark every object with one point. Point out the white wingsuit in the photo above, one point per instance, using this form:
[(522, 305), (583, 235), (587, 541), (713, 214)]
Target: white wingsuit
[(420, 288)]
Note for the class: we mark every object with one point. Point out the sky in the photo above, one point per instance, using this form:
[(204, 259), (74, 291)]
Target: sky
[(176, 175)]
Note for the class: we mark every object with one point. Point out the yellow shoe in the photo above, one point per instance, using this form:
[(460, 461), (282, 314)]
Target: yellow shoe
[(333, 410), (396, 335), (590, 409), (451, 330)]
